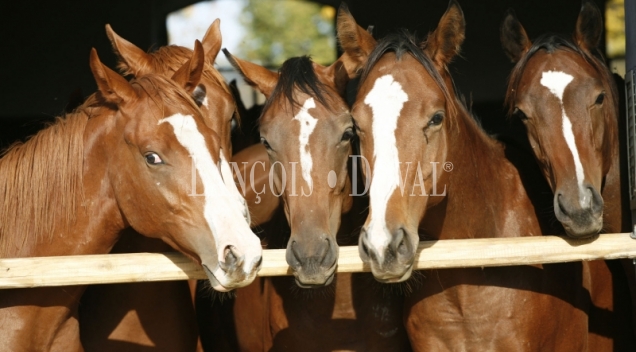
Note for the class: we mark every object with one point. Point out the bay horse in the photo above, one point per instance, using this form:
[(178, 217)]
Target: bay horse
[(307, 131), (129, 146), (126, 315), (563, 81), (410, 122)]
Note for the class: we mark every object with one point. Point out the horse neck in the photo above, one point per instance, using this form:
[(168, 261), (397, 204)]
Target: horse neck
[(96, 222), (485, 196)]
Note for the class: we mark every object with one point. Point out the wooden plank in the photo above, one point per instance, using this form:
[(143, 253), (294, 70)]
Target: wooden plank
[(141, 267)]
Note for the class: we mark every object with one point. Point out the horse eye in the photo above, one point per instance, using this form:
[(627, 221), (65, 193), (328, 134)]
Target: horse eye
[(600, 99), (265, 143), (153, 159), (436, 119), (519, 114), (347, 135)]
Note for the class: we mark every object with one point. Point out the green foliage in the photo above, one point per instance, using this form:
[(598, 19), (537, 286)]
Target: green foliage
[(277, 30)]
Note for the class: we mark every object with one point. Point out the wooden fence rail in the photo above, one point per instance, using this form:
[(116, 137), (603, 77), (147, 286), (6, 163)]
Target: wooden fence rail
[(143, 267)]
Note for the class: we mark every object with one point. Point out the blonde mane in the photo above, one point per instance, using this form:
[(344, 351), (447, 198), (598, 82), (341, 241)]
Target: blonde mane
[(40, 181)]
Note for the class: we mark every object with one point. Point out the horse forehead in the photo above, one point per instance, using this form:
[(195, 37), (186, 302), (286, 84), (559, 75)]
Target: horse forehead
[(186, 130), (564, 61)]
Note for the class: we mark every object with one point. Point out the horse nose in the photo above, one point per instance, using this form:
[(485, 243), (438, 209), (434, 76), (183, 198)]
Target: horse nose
[(390, 262), (313, 261), (581, 214), (301, 254), (397, 247)]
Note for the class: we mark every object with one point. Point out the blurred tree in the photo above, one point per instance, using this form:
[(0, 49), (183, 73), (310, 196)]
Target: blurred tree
[(615, 28), (277, 30)]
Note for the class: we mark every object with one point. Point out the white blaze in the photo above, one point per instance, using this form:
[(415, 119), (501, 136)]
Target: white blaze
[(228, 178), (556, 82), (223, 212), (307, 126), (386, 100)]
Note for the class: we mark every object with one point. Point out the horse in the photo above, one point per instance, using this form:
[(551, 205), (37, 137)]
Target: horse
[(563, 81), (115, 316), (130, 145), (306, 130), (420, 139)]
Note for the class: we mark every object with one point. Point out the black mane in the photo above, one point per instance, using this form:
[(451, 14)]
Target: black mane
[(297, 73)]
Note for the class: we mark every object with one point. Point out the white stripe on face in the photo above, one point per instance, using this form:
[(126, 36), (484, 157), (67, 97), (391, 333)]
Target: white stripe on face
[(228, 178), (556, 82), (307, 126), (222, 211), (386, 100)]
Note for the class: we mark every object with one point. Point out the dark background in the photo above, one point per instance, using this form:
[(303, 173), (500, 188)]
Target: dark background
[(46, 45)]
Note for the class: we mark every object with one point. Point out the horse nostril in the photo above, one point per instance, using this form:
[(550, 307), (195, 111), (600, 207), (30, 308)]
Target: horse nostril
[(596, 200), (365, 249), (402, 247), (294, 249), (561, 207), (230, 258), (328, 257), (259, 262)]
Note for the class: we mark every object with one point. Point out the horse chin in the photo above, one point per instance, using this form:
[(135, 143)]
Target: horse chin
[(314, 283), (214, 282), (590, 228), (581, 234), (393, 279)]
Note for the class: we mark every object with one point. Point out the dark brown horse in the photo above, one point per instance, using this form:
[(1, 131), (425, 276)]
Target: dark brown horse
[(307, 131), (566, 97), (412, 126), (130, 145), (125, 316)]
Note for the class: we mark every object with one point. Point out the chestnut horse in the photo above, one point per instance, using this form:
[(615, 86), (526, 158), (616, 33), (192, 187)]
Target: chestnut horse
[(563, 81), (410, 124), (307, 130), (126, 315), (130, 145)]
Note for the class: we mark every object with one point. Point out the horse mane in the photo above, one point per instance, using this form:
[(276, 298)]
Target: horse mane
[(402, 42), (297, 73), (40, 182), (168, 59)]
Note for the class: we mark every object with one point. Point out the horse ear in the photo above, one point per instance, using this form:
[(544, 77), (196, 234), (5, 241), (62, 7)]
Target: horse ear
[(132, 60), (514, 39), (189, 75), (445, 42), (212, 41), (589, 26), (335, 73), (255, 75), (356, 43), (113, 87)]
